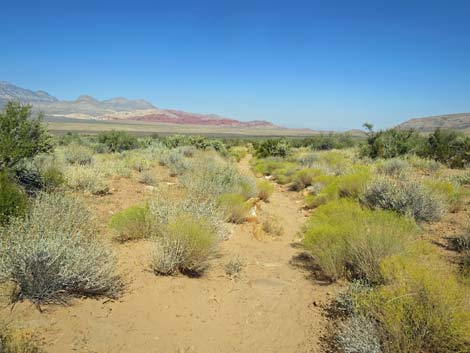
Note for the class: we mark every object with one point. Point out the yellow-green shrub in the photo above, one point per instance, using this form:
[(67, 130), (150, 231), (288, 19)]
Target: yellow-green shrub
[(447, 190), (234, 206), (350, 241), (352, 185), (186, 246), (132, 223), (265, 189), (238, 152), (423, 307), (328, 193)]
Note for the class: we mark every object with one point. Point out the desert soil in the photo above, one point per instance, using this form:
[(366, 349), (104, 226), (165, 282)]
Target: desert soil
[(275, 305)]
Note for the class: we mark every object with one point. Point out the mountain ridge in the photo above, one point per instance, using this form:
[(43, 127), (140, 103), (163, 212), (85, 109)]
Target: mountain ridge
[(118, 108), (455, 121)]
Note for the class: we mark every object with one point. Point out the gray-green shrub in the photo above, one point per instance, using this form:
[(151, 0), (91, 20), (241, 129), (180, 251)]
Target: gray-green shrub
[(53, 253), (409, 198), (78, 154)]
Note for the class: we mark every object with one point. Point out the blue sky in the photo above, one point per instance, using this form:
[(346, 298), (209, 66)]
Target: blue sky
[(318, 64)]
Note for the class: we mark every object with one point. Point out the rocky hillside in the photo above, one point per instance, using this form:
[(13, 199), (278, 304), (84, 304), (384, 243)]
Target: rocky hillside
[(87, 107), (450, 121)]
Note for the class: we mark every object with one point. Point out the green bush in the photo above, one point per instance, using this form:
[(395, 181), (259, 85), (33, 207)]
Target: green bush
[(422, 307), (391, 143), (118, 141), (272, 148), (448, 147), (132, 223), (265, 189), (234, 206), (53, 253), (185, 246), (408, 198), (325, 142), (350, 241), (21, 136), (52, 178), (13, 202)]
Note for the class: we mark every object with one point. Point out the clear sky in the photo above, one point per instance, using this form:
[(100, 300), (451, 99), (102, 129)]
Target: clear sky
[(318, 64)]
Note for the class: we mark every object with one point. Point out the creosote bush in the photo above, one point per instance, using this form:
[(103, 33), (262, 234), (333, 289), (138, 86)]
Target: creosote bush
[(118, 141), (350, 241), (409, 198), (21, 136), (53, 253), (132, 223), (13, 201), (265, 189)]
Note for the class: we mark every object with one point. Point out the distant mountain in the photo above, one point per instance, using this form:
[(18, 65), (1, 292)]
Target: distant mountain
[(428, 124), (87, 107), (12, 92)]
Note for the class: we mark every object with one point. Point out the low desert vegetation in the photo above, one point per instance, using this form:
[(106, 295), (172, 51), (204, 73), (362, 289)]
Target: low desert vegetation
[(371, 209), (16, 341), (234, 206), (350, 241), (186, 245), (265, 189), (132, 223), (53, 253), (369, 205)]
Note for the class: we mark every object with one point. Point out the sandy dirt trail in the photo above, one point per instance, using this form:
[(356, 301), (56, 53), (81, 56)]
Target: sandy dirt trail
[(272, 307)]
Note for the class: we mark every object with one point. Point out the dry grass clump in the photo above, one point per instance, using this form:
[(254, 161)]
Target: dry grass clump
[(147, 178), (86, 178), (304, 178), (422, 307), (16, 341), (448, 191), (210, 176), (132, 223), (272, 226), (234, 266), (186, 233), (234, 206), (175, 161), (53, 254), (394, 167), (186, 245), (408, 198), (265, 189), (349, 241), (78, 154)]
